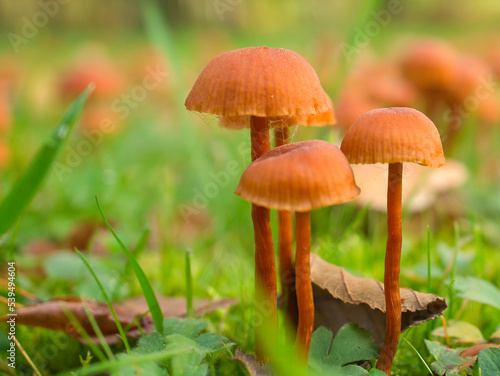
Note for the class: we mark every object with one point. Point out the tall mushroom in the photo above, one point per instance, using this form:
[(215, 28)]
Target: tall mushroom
[(298, 178), (285, 223), (252, 85), (393, 135)]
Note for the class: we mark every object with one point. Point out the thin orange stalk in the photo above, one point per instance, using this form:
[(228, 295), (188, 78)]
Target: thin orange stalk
[(303, 284), (285, 239), (265, 268), (392, 262)]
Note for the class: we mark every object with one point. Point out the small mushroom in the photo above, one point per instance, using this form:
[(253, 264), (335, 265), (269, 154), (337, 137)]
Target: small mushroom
[(253, 86), (300, 177), (430, 66), (393, 135)]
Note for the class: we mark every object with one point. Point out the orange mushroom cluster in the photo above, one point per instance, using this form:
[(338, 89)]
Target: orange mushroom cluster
[(262, 88), (447, 85)]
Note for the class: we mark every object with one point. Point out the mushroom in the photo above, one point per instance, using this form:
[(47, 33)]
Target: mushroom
[(393, 135), (430, 66), (470, 74), (251, 86), (298, 178), (285, 223)]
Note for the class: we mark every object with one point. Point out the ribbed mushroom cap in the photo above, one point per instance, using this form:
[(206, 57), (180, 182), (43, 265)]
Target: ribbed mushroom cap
[(258, 81), (430, 65), (317, 120), (299, 177), (393, 135)]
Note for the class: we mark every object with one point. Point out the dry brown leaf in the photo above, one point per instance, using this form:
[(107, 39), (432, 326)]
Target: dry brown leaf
[(52, 315), (341, 298), (252, 365), (474, 350)]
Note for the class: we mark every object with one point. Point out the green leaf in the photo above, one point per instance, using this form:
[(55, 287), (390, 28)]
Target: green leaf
[(446, 359), (150, 344), (150, 369), (461, 330), (351, 344), (212, 341), (189, 328), (23, 191), (113, 365), (488, 362), (149, 294), (376, 372), (478, 290)]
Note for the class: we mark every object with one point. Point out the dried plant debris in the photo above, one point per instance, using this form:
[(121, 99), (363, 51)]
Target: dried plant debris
[(341, 298), (252, 365), (131, 313)]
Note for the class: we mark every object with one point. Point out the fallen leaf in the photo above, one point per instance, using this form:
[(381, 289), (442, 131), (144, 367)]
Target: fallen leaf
[(461, 331), (252, 365), (495, 337), (341, 298), (474, 350), (51, 314)]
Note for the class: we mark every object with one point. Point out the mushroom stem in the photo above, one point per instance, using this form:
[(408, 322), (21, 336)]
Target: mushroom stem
[(303, 284), (453, 129), (259, 133), (285, 239), (392, 262), (265, 268)]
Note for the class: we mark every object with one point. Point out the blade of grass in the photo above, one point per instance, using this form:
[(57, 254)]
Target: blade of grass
[(420, 356), (26, 356), (149, 294), (23, 191), (107, 300), (189, 284), (11, 249), (136, 252), (451, 287), (428, 259), (79, 328), (98, 332)]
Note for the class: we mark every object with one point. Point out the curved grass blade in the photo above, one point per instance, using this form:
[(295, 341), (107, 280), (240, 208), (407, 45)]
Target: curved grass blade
[(108, 301), (420, 356), (149, 294), (28, 184)]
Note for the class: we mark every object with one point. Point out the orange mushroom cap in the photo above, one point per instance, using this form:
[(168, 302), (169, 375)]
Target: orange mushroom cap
[(430, 65), (317, 120), (258, 81), (299, 177), (107, 78), (393, 135)]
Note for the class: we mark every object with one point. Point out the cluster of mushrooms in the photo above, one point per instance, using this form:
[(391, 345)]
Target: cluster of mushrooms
[(430, 74), (262, 88)]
